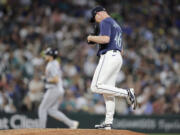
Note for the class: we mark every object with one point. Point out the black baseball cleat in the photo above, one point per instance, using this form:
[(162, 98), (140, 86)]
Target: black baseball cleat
[(132, 98), (103, 126)]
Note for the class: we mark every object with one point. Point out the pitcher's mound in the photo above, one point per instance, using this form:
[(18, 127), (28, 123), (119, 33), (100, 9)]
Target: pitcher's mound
[(67, 132)]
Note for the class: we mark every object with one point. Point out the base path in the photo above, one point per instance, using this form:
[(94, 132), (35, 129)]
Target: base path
[(67, 132)]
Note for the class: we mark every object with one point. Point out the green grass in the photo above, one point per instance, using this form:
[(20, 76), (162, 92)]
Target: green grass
[(164, 134)]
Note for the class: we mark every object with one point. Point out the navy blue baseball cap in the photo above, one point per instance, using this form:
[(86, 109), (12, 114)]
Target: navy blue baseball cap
[(94, 11)]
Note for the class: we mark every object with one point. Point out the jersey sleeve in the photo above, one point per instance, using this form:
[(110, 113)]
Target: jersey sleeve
[(105, 28)]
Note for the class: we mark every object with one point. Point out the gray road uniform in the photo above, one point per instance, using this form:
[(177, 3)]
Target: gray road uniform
[(52, 97)]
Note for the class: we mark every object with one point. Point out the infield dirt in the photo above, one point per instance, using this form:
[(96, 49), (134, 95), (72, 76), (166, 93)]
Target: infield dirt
[(67, 132)]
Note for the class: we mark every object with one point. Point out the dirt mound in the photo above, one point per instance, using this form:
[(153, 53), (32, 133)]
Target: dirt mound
[(67, 132)]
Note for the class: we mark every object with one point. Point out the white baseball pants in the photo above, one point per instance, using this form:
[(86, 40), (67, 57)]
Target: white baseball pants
[(49, 106), (104, 80)]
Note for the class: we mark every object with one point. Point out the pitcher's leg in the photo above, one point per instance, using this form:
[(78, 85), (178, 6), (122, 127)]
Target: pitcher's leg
[(112, 90), (110, 108), (96, 74), (109, 99), (109, 69)]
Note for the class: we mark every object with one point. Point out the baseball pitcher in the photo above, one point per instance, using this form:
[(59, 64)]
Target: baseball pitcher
[(55, 91), (110, 62)]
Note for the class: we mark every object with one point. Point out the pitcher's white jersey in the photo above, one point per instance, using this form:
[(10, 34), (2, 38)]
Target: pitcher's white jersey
[(53, 69)]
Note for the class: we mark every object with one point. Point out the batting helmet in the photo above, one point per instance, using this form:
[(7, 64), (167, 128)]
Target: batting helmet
[(52, 52)]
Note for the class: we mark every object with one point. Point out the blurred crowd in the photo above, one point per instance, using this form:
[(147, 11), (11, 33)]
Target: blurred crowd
[(151, 56)]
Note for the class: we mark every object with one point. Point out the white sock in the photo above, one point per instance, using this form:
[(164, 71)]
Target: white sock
[(110, 108)]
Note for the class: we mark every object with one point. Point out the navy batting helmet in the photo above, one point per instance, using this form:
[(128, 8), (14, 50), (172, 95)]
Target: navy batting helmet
[(52, 52)]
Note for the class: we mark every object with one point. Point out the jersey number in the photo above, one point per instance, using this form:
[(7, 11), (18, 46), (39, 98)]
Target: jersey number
[(118, 39)]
